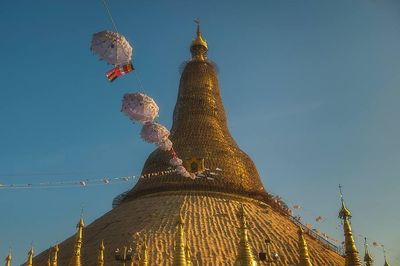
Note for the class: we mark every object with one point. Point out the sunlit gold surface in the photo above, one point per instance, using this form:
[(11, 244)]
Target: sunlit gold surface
[(210, 229), (144, 256)]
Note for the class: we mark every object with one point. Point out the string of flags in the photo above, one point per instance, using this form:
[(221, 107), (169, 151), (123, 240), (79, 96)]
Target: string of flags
[(83, 182)]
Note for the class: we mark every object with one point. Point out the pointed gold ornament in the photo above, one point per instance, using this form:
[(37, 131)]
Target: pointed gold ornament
[(54, 260), (303, 249), (352, 256), (8, 259), (29, 261), (179, 251), (76, 256), (100, 258), (245, 254), (367, 257)]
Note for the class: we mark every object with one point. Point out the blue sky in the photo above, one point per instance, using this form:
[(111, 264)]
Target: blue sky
[(311, 90)]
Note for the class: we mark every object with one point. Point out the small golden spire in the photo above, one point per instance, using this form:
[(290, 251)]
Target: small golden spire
[(304, 256), (76, 256), (144, 259), (29, 261), (179, 251), (245, 256), (199, 46), (49, 258), (384, 255), (367, 257), (8, 259), (352, 256), (100, 258), (54, 260)]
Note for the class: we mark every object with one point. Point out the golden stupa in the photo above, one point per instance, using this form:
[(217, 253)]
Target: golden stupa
[(223, 219)]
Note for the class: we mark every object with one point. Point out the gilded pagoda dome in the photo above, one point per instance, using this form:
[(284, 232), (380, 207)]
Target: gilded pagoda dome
[(201, 138)]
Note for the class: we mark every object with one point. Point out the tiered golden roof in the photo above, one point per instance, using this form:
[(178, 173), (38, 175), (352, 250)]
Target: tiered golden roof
[(303, 249), (245, 254), (76, 256), (352, 256)]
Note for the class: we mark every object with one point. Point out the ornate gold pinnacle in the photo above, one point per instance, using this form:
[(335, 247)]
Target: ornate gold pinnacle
[(352, 256), (245, 254), (54, 260), (303, 249), (367, 257), (179, 251), (100, 258), (29, 261), (8, 259), (76, 256)]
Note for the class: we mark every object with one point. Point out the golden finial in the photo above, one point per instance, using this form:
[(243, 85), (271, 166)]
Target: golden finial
[(352, 256), (367, 257), (304, 256), (245, 256), (179, 251), (29, 261), (49, 258), (144, 259), (76, 256), (100, 258), (199, 46), (54, 260), (8, 259), (384, 255)]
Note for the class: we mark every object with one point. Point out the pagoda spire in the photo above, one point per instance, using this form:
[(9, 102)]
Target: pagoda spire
[(245, 255), (367, 257), (304, 255), (100, 258), (352, 256), (199, 46), (54, 260), (384, 255), (8, 259), (179, 251), (29, 261), (76, 256), (49, 258)]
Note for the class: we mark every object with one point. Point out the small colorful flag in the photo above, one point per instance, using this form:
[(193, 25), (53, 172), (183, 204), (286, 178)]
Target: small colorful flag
[(119, 71)]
